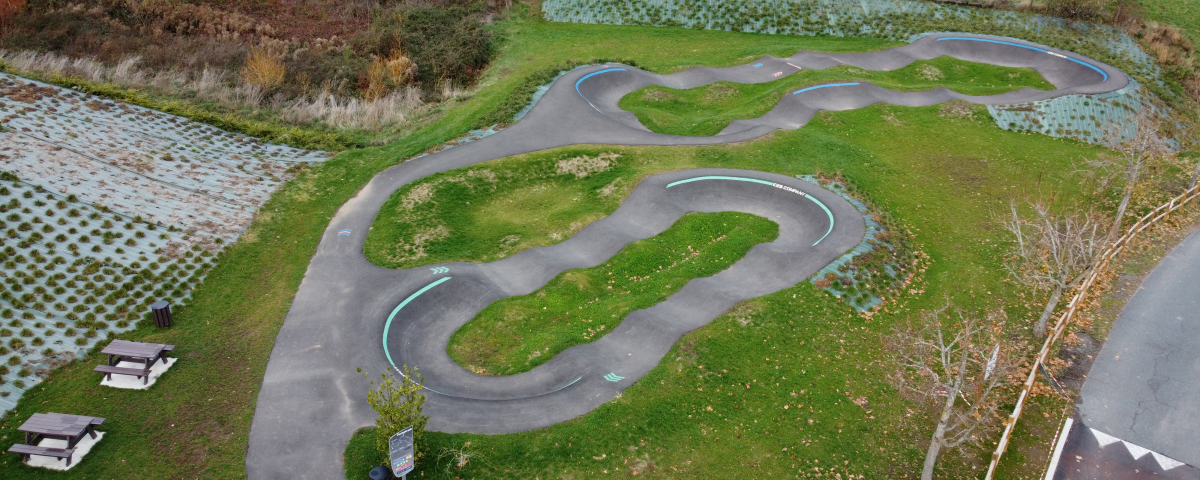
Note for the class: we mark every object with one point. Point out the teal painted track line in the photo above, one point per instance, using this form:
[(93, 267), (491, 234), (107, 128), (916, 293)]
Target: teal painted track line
[(827, 212), (802, 90), (387, 326), (1027, 47), (718, 177), (764, 182)]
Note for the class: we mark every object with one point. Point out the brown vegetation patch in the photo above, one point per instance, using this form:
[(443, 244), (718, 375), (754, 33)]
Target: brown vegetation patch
[(930, 72), (956, 109), (719, 91), (416, 248), (656, 95), (584, 165)]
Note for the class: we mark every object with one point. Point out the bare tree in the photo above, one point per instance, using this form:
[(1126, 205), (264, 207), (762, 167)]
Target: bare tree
[(1136, 145), (1194, 137), (945, 362), (1052, 252)]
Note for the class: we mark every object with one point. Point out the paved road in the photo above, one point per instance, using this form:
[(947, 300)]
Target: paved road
[(1093, 455), (1144, 386), (312, 399)]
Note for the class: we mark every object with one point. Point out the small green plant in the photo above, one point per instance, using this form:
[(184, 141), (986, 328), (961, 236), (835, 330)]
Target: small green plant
[(398, 403)]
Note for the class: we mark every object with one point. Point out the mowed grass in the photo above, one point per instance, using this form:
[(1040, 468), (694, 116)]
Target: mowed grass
[(943, 176), (947, 176), (195, 422), (708, 109), (767, 390), (515, 334)]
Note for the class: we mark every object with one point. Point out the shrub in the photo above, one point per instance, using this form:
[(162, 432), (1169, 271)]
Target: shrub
[(392, 71), (1076, 9), (263, 69), (448, 44)]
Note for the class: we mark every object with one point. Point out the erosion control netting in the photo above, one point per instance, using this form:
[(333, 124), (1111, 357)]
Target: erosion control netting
[(164, 168), (72, 273), (891, 19), (106, 208), (870, 269), (1103, 119)]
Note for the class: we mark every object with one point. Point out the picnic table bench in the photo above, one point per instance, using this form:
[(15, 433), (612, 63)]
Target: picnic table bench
[(58, 426), (109, 370), (125, 350), (27, 450)]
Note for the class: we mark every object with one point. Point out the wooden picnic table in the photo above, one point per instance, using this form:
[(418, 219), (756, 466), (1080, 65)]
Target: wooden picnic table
[(71, 428), (145, 352)]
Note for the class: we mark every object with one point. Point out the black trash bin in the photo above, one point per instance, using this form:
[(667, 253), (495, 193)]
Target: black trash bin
[(162, 313), (379, 473)]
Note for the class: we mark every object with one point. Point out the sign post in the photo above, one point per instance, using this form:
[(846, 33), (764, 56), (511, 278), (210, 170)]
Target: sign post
[(400, 448)]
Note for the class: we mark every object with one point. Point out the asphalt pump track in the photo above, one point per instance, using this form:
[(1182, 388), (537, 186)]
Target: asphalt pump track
[(312, 398)]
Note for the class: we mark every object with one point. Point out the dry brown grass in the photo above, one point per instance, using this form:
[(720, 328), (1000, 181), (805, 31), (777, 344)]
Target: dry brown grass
[(1169, 45), (955, 109), (180, 18), (263, 69), (584, 165), (393, 71), (930, 72)]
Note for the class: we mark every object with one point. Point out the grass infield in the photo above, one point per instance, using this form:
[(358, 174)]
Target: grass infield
[(515, 334)]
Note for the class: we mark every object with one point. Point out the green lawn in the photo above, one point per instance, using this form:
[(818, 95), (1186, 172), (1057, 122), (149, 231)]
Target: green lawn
[(706, 110), (945, 176), (1184, 14), (515, 334)]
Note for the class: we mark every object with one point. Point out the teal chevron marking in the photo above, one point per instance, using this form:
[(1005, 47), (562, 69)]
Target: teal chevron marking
[(388, 325), (718, 177), (764, 182), (439, 270), (612, 377)]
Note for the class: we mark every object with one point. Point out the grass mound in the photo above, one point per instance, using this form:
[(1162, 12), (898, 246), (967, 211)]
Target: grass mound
[(513, 335), (706, 110), (486, 213)]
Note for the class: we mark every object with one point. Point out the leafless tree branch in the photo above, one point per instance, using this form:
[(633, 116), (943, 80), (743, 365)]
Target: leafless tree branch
[(1051, 251), (944, 360)]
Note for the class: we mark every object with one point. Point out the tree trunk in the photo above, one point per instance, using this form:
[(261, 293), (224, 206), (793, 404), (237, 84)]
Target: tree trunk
[(1116, 227), (935, 445), (1195, 175), (1040, 329)]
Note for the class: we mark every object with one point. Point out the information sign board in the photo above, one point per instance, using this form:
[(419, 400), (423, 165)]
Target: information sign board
[(400, 447)]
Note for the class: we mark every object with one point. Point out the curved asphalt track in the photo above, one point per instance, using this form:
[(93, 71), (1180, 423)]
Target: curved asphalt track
[(312, 399)]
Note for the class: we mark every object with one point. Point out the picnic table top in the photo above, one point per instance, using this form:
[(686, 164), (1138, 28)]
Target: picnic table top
[(58, 424), (126, 348)]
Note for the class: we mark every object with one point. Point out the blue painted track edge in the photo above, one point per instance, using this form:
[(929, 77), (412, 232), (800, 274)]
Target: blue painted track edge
[(388, 325), (764, 182), (590, 75), (802, 90), (1001, 42)]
